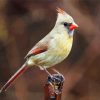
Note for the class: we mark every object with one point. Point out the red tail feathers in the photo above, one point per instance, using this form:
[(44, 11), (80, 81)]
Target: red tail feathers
[(14, 77)]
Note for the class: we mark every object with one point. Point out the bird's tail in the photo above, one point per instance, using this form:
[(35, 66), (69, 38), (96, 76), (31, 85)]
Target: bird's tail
[(14, 77)]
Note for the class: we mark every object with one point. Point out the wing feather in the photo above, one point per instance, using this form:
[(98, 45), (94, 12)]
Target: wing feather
[(40, 47), (36, 51)]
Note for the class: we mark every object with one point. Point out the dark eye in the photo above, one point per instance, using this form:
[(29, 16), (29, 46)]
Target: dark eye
[(67, 24)]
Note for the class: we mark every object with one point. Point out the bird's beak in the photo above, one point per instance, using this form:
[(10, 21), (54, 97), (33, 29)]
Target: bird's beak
[(73, 26)]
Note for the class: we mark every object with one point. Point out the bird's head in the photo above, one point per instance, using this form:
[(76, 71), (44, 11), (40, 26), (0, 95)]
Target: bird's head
[(65, 22)]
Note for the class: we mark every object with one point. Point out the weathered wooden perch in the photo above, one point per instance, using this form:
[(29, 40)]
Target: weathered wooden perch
[(53, 87)]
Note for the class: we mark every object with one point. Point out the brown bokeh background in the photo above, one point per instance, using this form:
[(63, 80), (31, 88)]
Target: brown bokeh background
[(24, 22)]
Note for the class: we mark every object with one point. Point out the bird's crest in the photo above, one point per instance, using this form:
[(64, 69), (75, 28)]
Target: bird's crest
[(59, 10)]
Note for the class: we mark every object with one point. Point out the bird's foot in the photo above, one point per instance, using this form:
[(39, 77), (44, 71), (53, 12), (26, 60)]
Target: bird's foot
[(58, 73), (56, 81), (54, 76)]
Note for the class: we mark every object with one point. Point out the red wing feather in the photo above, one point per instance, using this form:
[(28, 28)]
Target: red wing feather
[(36, 51)]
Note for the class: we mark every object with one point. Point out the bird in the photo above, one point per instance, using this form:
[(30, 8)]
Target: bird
[(50, 50)]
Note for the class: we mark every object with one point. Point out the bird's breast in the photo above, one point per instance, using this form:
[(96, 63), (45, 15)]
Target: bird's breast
[(62, 45), (59, 49)]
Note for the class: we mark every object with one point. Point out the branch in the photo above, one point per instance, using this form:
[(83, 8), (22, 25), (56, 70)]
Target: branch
[(53, 87)]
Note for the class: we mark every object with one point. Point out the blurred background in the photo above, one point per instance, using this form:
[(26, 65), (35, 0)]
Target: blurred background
[(24, 22)]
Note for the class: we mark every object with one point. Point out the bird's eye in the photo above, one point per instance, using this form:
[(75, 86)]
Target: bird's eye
[(67, 24)]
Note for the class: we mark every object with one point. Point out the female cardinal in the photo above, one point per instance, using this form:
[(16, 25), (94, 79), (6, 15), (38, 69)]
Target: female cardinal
[(52, 49)]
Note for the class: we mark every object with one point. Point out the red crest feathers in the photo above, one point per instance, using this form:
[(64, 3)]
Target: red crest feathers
[(59, 10)]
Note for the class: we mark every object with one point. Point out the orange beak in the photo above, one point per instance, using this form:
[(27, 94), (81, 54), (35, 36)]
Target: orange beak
[(73, 26)]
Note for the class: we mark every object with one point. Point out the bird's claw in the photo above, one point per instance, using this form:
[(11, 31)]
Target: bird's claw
[(56, 81), (58, 73)]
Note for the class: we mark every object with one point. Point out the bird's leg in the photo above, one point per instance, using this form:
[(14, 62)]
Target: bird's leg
[(53, 76), (56, 71), (47, 72)]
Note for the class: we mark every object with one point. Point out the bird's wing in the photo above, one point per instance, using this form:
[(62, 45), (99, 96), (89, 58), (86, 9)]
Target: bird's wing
[(37, 50), (40, 47)]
